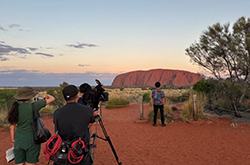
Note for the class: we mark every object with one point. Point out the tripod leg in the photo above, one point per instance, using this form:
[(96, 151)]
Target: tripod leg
[(94, 136), (109, 141)]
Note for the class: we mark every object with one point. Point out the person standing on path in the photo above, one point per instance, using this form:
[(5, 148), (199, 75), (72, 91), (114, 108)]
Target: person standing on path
[(158, 99), (20, 116)]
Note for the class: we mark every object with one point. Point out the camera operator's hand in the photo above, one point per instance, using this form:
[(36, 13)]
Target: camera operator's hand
[(95, 112)]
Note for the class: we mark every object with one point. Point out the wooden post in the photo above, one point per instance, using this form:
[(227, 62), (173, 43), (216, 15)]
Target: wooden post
[(194, 99), (141, 107)]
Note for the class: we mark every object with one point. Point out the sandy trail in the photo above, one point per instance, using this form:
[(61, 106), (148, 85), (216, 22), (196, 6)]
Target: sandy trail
[(137, 142)]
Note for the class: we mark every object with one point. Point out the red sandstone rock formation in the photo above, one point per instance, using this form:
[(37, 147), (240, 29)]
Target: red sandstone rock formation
[(164, 76)]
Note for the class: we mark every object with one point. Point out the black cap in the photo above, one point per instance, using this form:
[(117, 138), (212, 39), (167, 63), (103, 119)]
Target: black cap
[(69, 92)]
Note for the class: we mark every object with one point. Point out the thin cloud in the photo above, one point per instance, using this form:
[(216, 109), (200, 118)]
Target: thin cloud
[(32, 49), (81, 45), (49, 48), (8, 50), (3, 59), (14, 25), (83, 65), (44, 54), (3, 29)]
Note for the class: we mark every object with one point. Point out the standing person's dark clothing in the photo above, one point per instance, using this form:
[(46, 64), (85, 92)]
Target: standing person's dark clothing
[(73, 119), (158, 96)]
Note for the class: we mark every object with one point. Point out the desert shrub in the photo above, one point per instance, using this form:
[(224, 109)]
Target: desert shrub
[(174, 108), (184, 96), (133, 98), (59, 100), (168, 113), (47, 110), (3, 121), (202, 86), (7, 98), (117, 102), (188, 108), (146, 97), (178, 95), (173, 98)]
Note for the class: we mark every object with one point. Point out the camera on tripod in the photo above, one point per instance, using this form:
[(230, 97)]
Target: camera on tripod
[(103, 96), (92, 97)]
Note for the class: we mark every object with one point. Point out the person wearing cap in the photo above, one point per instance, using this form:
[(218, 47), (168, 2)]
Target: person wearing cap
[(73, 119), (20, 116), (158, 99)]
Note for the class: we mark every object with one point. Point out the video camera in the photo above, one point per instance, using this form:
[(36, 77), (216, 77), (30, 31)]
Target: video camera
[(92, 97), (104, 96)]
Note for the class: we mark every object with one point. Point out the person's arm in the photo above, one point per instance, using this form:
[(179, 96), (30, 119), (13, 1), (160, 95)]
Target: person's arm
[(152, 97), (163, 97), (12, 132), (49, 99), (95, 113), (163, 100)]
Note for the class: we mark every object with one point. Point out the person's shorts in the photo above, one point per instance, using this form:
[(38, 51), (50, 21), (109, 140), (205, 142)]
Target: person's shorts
[(29, 155)]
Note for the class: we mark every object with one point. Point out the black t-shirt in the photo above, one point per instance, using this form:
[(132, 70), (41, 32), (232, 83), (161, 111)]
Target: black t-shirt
[(73, 120)]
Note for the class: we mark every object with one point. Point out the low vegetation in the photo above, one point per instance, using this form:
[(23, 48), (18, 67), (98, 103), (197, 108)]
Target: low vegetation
[(146, 97), (117, 102), (189, 112), (118, 97)]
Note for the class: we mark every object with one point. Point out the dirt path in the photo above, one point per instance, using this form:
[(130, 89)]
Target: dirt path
[(137, 142)]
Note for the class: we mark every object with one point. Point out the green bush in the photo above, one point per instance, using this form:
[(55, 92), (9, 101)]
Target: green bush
[(117, 102), (47, 110), (146, 97), (188, 108), (7, 98), (3, 120), (59, 100), (179, 97)]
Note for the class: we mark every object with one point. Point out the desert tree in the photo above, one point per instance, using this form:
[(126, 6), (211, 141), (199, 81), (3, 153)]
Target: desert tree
[(224, 52), (59, 100)]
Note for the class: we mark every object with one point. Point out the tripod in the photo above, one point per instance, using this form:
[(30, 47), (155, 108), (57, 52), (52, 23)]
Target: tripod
[(107, 138)]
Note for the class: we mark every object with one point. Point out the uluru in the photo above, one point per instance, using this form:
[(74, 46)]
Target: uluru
[(167, 77)]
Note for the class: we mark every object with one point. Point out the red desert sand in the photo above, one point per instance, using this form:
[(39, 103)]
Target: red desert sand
[(137, 142)]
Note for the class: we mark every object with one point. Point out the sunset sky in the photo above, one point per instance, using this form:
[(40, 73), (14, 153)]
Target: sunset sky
[(43, 43)]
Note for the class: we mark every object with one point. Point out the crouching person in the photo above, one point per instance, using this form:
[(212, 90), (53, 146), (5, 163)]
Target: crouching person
[(72, 122)]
